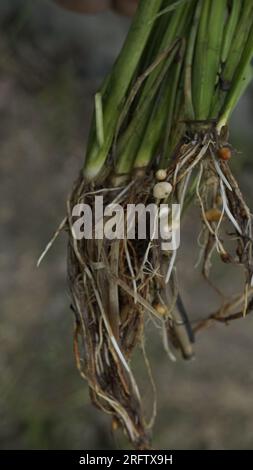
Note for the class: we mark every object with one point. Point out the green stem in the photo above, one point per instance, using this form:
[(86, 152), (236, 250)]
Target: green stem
[(242, 78), (207, 56), (118, 84), (230, 28), (176, 28), (189, 109), (172, 112), (134, 134), (163, 112), (238, 42)]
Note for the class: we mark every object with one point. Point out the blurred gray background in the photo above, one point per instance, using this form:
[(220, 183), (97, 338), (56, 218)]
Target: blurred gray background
[(51, 63)]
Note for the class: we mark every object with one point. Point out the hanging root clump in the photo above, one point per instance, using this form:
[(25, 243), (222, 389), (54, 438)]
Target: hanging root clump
[(115, 286), (159, 136), (109, 302), (224, 213)]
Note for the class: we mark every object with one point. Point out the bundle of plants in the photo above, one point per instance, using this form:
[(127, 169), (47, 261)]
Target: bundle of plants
[(159, 137)]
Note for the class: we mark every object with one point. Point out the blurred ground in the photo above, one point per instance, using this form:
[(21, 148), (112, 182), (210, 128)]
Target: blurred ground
[(51, 63)]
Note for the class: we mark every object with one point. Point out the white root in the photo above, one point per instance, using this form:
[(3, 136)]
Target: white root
[(171, 265), (166, 345), (227, 210), (218, 169), (181, 201), (51, 242)]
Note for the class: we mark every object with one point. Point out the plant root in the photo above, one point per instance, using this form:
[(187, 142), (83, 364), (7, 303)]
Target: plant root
[(116, 284)]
